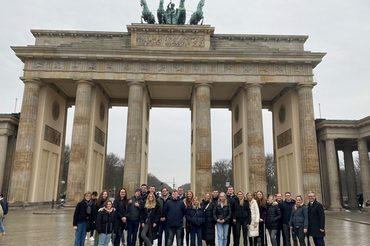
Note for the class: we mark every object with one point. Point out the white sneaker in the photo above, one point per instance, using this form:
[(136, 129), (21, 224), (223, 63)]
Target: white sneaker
[(91, 239), (87, 237)]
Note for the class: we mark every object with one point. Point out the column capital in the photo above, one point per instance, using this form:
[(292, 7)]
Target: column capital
[(35, 81), (305, 85), (251, 85), (205, 83), (136, 82), (84, 81)]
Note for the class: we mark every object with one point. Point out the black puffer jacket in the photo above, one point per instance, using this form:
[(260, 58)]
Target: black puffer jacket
[(106, 221), (222, 213), (85, 212), (242, 212), (273, 216), (208, 228), (194, 216)]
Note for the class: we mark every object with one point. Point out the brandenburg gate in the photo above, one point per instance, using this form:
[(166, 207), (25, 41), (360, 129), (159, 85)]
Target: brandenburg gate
[(180, 66)]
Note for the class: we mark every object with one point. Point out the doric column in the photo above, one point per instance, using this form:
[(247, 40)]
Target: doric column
[(202, 140), (24, 152), (310, 159), (256, 152), (3, 151), (350, 177), (80, 142), (364, 168), (332, 165), (134, 136)]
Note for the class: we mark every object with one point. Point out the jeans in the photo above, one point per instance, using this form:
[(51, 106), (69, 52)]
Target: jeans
[(80, 234), (196, 232), (222, 232), (132, 228), (261, 235), (104, 239), (244, 227), (278, 237), (2, 227), (319, 241), (286, 235), (273, 236), (162, 228), (145, 233), (172, 231), (297, 233)]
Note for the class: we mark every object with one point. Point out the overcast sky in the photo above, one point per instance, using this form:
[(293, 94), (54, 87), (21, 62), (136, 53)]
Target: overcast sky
[(340, 28)]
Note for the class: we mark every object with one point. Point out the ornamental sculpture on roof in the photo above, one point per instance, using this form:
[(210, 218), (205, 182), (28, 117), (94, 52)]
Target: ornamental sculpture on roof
[(171, 15)]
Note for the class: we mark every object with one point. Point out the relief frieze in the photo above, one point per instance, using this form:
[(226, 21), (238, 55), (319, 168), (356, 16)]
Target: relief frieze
[(150, 40), (231, 68)]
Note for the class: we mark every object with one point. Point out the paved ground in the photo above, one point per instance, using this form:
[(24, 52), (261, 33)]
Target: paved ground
[(44, 227)]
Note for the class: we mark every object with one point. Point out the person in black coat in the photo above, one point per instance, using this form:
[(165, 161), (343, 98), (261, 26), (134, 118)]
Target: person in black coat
[(222, 215), (120, 204), (242, 218), (208, 227), (174, 211), (261, 201), (195, 219), (83, 215), (149, 219), (106, 222), (232, 200), (273, 218), (316, 220)]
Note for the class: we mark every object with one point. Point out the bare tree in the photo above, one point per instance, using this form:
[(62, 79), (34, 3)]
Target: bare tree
[(221, 173), (114, 168), (271, 174)]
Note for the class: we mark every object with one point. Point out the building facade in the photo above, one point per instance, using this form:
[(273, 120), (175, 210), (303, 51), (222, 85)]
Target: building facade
[(163, 66)]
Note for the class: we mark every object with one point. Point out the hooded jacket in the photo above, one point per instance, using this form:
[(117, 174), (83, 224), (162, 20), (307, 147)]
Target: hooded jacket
[(106, 221)]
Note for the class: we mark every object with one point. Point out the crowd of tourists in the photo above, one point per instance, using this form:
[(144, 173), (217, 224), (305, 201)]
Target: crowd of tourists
[(150, 215)]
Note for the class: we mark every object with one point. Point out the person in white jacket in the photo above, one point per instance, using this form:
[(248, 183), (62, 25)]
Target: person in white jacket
[(255, 218)]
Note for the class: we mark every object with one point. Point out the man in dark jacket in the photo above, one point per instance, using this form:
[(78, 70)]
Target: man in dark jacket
[(232, 199), (162, 200), (316, 220), (174, 211), (135, 204), (286, 211)]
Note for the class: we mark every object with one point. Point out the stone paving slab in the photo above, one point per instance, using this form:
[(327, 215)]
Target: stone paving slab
[(46, 227)]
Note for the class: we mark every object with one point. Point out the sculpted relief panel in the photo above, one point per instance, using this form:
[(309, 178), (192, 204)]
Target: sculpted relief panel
[(169, 67), (150, 40)]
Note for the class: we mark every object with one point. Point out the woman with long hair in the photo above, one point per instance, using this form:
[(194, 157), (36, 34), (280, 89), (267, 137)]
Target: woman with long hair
[(222, 215), (149, 219), (106, 223), (195, 219), (83, 215), (242, 218), (188, 201), (208, 228), (120, 204), (253, 228), (103, 197), (261, 201)]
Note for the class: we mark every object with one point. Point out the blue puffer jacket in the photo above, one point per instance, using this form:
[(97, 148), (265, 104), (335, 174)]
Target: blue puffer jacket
[(195, 216), (299, 217)]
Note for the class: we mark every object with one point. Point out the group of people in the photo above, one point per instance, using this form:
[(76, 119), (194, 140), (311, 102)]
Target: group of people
[(149, 215)]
